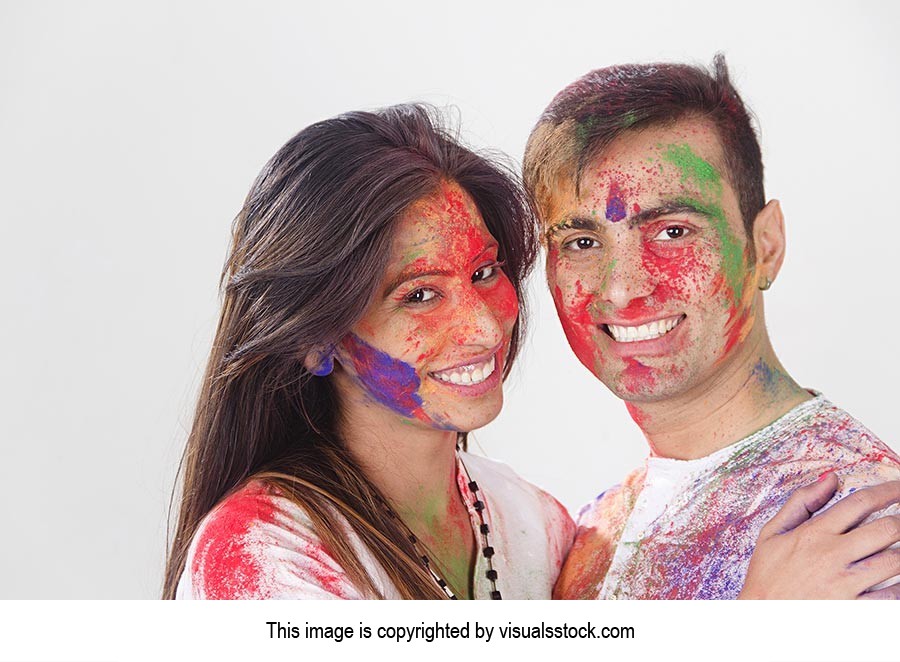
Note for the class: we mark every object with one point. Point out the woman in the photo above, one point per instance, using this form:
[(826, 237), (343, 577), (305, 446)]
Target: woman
[(370, 312), (371, 309)]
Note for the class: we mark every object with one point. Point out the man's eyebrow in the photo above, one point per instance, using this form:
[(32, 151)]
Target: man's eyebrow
[(668, 207), (573, 223)]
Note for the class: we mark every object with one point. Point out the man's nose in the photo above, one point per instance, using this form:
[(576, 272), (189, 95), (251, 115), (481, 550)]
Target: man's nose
[(624, 276)]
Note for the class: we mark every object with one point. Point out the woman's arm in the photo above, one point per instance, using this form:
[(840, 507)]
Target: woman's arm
[(829, 555)]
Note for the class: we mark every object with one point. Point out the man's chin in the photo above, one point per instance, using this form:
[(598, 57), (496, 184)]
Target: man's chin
[(640, 389)]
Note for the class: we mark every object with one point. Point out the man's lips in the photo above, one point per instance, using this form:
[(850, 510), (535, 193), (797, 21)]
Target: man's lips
[(649, 330)]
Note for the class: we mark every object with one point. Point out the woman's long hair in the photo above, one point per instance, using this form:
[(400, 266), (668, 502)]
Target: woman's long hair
[(309, 248)]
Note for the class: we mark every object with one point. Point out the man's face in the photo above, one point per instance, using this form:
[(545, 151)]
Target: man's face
[(649, 267)]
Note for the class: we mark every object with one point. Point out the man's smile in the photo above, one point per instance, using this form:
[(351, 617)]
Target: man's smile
[(646, 331)]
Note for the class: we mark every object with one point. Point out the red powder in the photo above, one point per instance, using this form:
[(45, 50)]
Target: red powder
[(637, 414), (637, 377), (579, 337), (223, 560)]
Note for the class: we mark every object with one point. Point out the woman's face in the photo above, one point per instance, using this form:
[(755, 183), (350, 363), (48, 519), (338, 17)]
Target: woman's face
[(432, 345)]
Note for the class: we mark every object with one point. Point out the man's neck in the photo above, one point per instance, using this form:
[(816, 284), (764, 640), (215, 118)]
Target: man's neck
[(747, 394)]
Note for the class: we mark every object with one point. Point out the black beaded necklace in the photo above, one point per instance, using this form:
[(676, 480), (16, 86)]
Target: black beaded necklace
[(483, 529)]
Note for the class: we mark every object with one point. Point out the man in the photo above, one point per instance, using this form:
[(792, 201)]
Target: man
[(660, 244)]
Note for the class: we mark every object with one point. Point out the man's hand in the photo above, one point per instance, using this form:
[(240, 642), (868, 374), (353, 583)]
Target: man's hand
[(828, 556)]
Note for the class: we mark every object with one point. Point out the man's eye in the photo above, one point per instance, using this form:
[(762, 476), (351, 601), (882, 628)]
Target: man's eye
[(421, 295), (672, 232), (581, 244)]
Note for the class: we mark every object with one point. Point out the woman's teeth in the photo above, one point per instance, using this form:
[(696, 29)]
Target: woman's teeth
[(469, 374), (649, 331)]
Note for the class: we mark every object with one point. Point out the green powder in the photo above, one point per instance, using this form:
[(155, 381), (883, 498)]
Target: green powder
[(607, 272), (695, 170), (583, 130)]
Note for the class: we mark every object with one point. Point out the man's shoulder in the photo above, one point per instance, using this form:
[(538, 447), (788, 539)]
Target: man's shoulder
[(599, 528), (830, 434), (613, 502)]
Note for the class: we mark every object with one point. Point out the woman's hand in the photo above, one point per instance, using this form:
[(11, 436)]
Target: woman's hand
[(828, 556)]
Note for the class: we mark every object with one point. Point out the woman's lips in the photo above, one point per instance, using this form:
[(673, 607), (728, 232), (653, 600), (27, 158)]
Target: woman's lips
[(470, 374)]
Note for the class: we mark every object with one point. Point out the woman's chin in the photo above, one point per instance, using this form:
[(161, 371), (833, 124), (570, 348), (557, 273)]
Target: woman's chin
[(466, 416)]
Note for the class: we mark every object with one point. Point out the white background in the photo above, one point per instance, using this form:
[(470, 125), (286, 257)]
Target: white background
[(130, 133)]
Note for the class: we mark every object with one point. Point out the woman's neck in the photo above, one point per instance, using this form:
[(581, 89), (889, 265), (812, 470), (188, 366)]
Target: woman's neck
[(415, 469)]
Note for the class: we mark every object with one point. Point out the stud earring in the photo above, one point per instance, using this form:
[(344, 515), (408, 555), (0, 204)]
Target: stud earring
[(324, 367), (766, 285), (320, 361)]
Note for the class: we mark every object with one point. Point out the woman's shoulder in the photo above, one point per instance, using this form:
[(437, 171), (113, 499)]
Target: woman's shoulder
[(258, 544)]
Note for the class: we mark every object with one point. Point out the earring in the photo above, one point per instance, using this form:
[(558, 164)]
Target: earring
[(325, 366), (766, 285), (320, 361)]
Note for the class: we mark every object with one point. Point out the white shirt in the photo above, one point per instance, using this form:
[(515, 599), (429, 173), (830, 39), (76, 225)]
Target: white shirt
[(257, 544)]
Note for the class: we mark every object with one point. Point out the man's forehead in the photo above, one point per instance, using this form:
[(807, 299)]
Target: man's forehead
[(649, 152)]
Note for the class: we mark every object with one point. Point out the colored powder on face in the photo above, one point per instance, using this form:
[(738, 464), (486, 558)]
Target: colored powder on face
[(615, 203), (637, 377), (696, 170), (390, 381), (732, 254), (576, 325), (629, 119), (606, 272), (454, 204)]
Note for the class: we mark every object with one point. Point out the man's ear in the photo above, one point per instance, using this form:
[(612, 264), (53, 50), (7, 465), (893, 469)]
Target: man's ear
[(319, 361), (768, 243)]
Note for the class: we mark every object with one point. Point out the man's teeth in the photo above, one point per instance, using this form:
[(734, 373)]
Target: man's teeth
[(649, 331), (469, 374)]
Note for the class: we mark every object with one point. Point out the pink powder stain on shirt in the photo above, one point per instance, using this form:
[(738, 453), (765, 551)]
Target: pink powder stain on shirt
[(225, 565), (239, 554), (330, 581)]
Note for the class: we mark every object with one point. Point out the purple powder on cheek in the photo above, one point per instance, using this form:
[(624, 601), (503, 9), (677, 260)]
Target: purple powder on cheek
[(391, 382), (615, 204)]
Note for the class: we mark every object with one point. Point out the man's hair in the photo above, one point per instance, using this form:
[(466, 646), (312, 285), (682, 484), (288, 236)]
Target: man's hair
[(588, 115)]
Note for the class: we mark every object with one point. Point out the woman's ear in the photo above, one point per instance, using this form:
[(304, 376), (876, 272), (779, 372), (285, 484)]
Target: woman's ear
[(319, 361), (768, 243)]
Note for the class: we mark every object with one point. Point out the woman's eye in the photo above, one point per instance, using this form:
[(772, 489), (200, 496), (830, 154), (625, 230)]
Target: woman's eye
[(672, 232), (581, 244), (421, 295), (486, 273)]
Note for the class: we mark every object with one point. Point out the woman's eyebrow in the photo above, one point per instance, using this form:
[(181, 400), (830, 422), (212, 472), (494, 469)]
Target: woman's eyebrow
[(411, 274), (490, 246)]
